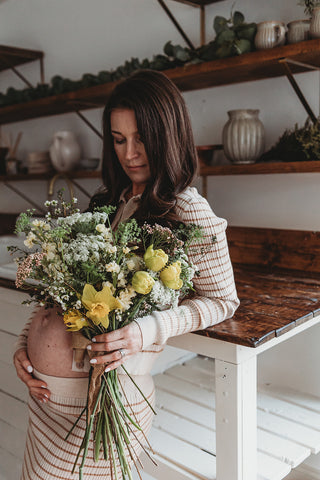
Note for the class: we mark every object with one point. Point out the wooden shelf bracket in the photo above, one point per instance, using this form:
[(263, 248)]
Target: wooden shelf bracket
[(4, 59), (285, 63)]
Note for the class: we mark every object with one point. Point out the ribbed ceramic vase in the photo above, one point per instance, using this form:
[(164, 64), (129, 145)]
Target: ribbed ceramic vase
[(243, 136), (315, 23)]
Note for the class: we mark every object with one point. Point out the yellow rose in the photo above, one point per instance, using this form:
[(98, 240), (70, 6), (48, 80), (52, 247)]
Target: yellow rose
[(74, 321), (170, 276), (155, 259), (142, 282), (99, 304)]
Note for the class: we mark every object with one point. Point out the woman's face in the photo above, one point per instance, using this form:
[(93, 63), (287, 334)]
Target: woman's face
[(129, 148)]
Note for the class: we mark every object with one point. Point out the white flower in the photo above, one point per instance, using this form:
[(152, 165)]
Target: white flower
[(126, 250), (29, 241), (111, 249), (101, 228), (126, 296), (134, 263), (112, 267), (110, 285)]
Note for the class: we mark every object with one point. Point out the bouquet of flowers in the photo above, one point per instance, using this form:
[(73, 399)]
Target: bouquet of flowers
[(102, 280)]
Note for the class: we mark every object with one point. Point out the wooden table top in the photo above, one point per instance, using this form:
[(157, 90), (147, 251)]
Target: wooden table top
[(270, 305)]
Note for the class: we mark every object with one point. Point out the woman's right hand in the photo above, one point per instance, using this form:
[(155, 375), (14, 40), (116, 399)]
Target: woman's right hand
[(37, 388)]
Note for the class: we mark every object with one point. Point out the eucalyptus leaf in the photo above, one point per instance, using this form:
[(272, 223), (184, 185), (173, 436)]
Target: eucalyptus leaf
[(168, 49), (242, 46), (238, 18), (224, 51), (219, 24), (247, 30), (225, 36), (181, 53)]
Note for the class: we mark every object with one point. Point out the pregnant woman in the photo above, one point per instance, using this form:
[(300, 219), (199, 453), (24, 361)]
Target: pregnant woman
[(149, 163)]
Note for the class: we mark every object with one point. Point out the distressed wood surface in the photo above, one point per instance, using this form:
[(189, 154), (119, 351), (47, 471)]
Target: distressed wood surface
[(277, 274)]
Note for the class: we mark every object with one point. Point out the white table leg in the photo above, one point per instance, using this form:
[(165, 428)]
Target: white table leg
[(236, 419)]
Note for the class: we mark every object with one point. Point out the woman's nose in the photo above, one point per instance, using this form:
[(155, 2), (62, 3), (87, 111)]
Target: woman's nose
[(131, 151)]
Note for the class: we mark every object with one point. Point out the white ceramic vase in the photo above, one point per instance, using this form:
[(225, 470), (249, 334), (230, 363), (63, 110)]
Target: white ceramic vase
[(298, 31), (243, 136), (65, 151), (315, 23), (270, 34)]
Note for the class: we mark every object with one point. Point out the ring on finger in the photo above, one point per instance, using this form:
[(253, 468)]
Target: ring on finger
[(122, 353)]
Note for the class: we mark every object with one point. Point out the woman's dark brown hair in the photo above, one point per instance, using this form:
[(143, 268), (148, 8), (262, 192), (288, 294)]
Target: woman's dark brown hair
[(165, 129)]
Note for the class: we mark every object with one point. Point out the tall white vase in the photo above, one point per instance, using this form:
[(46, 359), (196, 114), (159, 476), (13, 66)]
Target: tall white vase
[(243, 136), (315, 23), (65, 151)]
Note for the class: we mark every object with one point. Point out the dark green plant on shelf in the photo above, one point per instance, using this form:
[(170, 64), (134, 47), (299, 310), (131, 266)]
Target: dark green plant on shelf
[(309, 5), (296, 144), (233, 37)]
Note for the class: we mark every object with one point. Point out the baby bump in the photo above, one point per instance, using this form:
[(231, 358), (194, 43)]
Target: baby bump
[(49, 344)]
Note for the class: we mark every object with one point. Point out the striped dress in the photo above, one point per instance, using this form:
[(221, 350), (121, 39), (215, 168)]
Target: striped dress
[(47, 454)]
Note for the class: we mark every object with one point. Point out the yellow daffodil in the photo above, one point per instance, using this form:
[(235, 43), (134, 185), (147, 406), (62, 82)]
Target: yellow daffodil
[(74, 321), (99, 304), (142, 282), (155, 260), (170, 276)]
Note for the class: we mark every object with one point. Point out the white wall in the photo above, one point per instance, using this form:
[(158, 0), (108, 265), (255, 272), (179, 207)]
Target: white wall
[(80, 36)]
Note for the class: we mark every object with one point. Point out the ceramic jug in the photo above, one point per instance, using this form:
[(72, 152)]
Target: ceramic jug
[(270, 34), (298, 31), (65, 151), (315, 23), (243, 136)]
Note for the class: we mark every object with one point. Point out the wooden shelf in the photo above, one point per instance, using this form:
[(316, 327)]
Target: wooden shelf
[(12, 56), (47, 176), (261, 168), (247, 67), (205, 170)]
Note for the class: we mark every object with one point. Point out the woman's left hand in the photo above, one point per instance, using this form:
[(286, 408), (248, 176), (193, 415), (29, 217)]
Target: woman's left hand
[(117, 345)]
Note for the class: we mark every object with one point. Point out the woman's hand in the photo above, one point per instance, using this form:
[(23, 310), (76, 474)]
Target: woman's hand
[(117, 345), (37, 388)]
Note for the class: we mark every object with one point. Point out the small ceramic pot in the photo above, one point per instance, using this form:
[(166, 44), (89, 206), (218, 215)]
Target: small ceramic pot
[(298, 31), (270, 34), (315, 23), (243, 136)]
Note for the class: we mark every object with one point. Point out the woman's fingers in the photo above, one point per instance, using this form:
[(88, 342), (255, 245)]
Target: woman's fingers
[(37, 388), (118, 345)]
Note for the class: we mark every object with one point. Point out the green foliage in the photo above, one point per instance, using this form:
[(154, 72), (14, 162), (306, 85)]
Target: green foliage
[(297, 144), (309, 5)]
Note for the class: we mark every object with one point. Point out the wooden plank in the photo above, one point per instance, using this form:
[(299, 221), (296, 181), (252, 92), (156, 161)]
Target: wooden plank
[(305, 400), (13, 411), (6, 347), (12, 440), (281, 408), (271, 469), (10, 465), (10, 383), (184, 390), (260, 168), (185, 456), (301, 435), (287, 249), (186, 409)]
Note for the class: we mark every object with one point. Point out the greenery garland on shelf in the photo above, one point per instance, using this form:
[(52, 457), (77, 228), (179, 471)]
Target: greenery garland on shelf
[(233, 37), (296, 144)]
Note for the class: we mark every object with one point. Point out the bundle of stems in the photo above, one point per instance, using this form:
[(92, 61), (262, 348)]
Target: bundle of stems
[(111, 425)]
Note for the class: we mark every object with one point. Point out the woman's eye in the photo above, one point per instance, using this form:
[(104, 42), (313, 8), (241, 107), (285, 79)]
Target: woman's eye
[(118, 141)]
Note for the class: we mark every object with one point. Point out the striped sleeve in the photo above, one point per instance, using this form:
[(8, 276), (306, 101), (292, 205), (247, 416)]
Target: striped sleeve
[(216, 297)]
